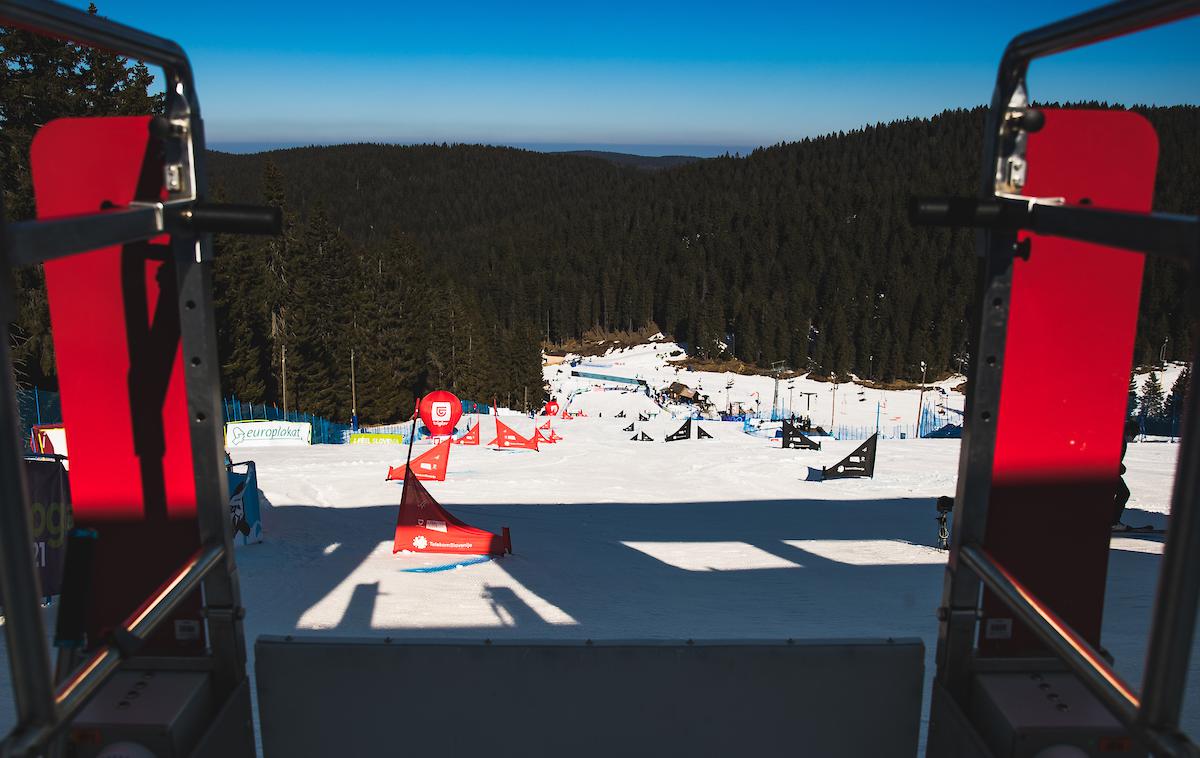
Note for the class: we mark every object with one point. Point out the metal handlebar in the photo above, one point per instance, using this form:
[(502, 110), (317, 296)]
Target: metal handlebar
[(229, 219), (1164, 234)]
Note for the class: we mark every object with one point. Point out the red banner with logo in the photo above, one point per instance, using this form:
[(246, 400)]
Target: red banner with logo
[(424, 526), (507, 437), (430, 465)]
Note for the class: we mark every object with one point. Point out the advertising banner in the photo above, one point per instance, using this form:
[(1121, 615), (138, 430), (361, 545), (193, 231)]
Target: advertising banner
[(49, 519), (267, 433), (244, 511), (373, 438)]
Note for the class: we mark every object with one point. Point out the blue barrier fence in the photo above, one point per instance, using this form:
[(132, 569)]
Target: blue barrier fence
[(886, 431), (470, 406), (36, 406), (324, 431), (932, 419), (1160, 427)]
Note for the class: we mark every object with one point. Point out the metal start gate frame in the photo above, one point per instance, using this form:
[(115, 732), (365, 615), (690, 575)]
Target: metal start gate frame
[(44, 708), (1000, 212)]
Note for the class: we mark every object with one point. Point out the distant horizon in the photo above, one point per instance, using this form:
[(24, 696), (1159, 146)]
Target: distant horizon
[(250, 147), (665, 78)]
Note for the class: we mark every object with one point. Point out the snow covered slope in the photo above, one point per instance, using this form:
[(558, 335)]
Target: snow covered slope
[(620, 539), (828, 405)]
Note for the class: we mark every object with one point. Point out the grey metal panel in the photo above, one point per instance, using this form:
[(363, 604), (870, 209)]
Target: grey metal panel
[(950, 731), (164, 711), (1022, 714), (232, 728), (330, 696)]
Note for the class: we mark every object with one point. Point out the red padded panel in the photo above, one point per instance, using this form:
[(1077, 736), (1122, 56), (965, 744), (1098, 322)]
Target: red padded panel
[(1068, 354), (114, 314)]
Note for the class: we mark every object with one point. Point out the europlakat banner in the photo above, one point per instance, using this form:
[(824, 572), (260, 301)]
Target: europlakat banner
[(267, 434)]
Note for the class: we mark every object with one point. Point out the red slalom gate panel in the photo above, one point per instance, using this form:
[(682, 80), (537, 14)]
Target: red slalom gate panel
[(429, 465), (424, 526), (470, 438), (1068, 355), (506, 436), (115, 319)]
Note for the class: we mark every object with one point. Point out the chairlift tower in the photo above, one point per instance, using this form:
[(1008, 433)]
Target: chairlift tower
[(921, 400), (777, 368)]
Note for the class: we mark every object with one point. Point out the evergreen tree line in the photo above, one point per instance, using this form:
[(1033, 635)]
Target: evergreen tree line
[(42, 79), (800, 252), (315, 320)]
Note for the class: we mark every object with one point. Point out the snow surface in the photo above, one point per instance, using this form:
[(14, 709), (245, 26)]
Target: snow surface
[(827, 404), (615, 539), (716, 538)]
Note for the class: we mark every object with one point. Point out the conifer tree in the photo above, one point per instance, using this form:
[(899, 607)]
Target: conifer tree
[(277, 292), (1152, 397), (240, 315), (41, 79), (1180, 391)]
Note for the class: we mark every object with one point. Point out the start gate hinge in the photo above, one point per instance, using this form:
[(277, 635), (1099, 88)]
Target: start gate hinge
[(179, 172), (1018, 122)]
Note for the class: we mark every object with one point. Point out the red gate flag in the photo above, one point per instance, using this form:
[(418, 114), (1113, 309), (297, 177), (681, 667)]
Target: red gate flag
[(539, 437), (506, 437), (470, 438), (551, 408), (440, 411), (546, 425), (429, 465), (424, 526)]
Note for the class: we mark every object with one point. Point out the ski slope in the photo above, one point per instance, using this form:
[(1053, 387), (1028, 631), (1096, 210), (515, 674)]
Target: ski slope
[(657, 363), (713, 538)]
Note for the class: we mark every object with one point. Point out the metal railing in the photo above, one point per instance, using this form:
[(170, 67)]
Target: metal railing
[(1073, 650), (72, 694)]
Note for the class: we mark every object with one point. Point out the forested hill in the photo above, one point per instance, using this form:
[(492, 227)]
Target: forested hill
[(647, 162), (799, 252)]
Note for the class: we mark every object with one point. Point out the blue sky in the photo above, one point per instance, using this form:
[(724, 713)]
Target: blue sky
[(696, 77)]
